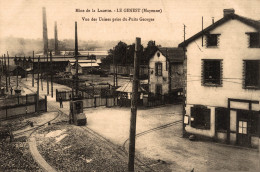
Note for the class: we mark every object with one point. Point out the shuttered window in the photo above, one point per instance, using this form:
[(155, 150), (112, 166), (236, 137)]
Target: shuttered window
[(212, 40), (252, 74), (200, 117), (253, 39), (212, 72)]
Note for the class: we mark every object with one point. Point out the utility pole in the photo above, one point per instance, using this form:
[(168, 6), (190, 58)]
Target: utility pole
[(33, 71), (184, 32), (41, 75), (6, 79), (8, 69), (51, 75), (202, 33), (184, 84), (47, 75), (114, 68), (38, 80), (134, 99)]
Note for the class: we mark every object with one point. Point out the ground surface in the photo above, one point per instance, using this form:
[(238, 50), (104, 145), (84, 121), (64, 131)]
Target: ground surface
[(166, 144), (163, 149)]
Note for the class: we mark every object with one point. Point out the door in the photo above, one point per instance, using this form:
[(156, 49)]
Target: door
[(243, 128)]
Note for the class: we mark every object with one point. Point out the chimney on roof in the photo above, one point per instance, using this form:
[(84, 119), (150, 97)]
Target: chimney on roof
[(228, 11), (212, 20)]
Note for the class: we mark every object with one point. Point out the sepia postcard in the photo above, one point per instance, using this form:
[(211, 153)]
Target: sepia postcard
[(130, 85)]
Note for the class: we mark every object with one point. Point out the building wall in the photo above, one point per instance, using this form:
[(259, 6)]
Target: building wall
[(154, 80), (232, 49), (177, 75)]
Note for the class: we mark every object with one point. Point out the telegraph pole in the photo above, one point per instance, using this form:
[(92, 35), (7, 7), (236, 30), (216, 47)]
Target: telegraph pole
[(114, 68), (41, 75), (33, 71), (8, 69), (47, 74), (185, 83), (38, 80), (51, 75), (6, 79), (134, 99), (202, 33)]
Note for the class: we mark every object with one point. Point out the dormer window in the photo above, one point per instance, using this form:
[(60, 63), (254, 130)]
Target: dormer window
[(212, 40), (253, 39)]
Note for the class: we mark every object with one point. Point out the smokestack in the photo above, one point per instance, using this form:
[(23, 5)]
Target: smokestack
[(45, 35), (56, 39), (76, 40), (228, 11)]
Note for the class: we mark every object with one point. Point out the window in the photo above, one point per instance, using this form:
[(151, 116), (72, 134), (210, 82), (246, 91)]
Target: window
[(200, 117), (252, 74), (242, 127), (222, 119), (254, 39), (212, 72), (212, 40), (158, 69)]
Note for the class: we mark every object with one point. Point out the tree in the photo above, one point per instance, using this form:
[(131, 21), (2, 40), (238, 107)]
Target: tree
[(149, 51)]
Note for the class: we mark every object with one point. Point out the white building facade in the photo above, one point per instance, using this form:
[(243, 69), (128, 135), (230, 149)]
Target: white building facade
[(223, 81)]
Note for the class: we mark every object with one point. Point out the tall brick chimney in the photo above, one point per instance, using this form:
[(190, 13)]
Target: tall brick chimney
[(228, 11), (56, 49), (76, 40), (45, 34)]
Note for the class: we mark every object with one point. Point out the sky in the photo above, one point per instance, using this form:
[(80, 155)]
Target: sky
[(23, 18)]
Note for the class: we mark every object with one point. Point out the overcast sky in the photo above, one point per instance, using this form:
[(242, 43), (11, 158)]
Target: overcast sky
[(23, 18)]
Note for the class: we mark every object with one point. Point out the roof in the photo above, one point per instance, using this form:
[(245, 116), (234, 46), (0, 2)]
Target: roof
[(172, 54), (127, 88), (88, 64), (82, 61), (253, 23)]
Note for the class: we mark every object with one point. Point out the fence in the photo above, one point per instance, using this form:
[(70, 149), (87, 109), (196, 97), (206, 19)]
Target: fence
[(157, 100), (19, 105), (99, 101), (86, 93)]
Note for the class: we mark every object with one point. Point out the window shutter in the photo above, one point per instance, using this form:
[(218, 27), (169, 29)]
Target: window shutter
[(221, 72), (258, 74), (244, 75), (192, 114), (202, 72)]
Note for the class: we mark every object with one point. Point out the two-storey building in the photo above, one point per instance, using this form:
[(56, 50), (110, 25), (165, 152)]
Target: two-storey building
[(223, 81)]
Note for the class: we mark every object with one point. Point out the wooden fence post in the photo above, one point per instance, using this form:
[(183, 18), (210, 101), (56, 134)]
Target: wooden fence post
[(57, 92), (45, 103)]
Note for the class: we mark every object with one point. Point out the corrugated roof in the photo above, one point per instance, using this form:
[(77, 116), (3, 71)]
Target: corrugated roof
[(253, 23), (173, 54), (127, 88), (88, 64)]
